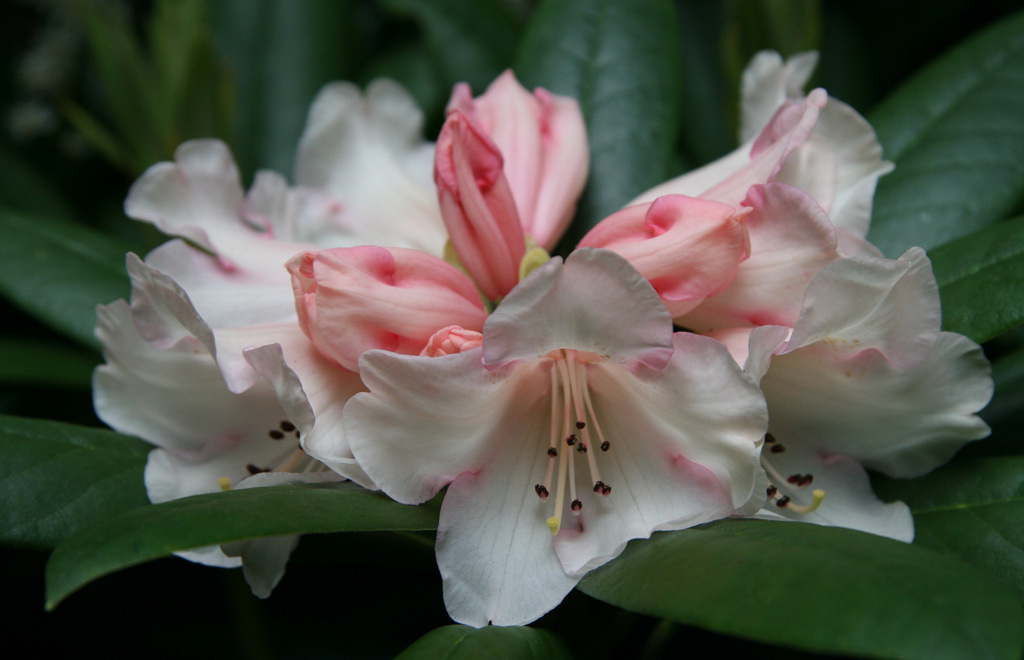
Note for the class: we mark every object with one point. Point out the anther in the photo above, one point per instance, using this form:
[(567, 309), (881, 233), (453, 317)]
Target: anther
[(571, 440), (552, 452), (287, 426), (598, 486), (581, 425), (772, 490), (255, 470), (769, 438), (605, 446), (794, 478), (581, 448), (805, 480), (576, 506), (782, 502), (777, 448), (542, 491), (606, 490), (276, 435)]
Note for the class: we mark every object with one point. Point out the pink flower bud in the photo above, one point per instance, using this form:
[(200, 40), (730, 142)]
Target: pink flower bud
[(477, 206), (543, 139), (687, 248), (350, 300), (451, 340)]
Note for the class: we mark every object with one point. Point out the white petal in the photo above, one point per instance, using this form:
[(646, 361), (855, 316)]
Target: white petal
[(889, 305), (364, 173), (849, 501), (198, 196), (493, 548), (902, 421), (693, 183), (767, 83), (567, 306), (427, 420)]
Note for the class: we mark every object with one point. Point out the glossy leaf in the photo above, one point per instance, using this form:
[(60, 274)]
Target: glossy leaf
[(955, 135), (159, 530), (281, 53), (492, 642), (467, 41), (971, 509), (621, 60), (26, 190), (59, 271), (1005, 413), (818, 588), (980, 278), (44, 363), (57, 478)]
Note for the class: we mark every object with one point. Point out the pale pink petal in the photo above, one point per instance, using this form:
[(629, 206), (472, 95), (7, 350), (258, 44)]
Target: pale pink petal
[(477, 205), (412, 440), (565, 169), (197, 197), (568, 306), (791, 239), (849, 501), (695, 182), (363, 172), (351, 300), (884, 304), (493, 548), (902, 421), (452, 339), (687, 248), (767, 83)]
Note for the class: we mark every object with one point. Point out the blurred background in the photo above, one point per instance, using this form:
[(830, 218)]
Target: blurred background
[(93, 92)]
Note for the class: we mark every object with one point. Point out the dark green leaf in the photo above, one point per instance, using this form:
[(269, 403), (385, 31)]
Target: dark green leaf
[(957, 141), (469, 41), (158, 530), (57, 478), (980, 278), (823, 589), (24, 189), (44, 363), (706, 120), (971, 509), (59, 271), (1005, 413), (281, 53), (497, 642), (621, 61)]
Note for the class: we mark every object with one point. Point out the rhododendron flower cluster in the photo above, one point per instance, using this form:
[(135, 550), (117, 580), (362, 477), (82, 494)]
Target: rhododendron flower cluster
[(409, 332)]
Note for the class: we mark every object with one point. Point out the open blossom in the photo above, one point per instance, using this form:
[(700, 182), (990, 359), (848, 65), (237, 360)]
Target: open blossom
[(582, 421), (864, 377), (211, 341)]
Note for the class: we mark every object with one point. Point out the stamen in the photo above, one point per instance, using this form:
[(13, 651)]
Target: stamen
[(777, 448), (772, 490), (605, 446), (276, 435), (287, 426), (818, 496), (576, 507), (581, 425), (542, 491), (782, 502), (581, 382), (552, 452)]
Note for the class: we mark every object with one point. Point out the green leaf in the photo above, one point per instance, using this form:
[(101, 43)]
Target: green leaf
[(621, 61), (281, 53), (707, 121), (468, 41), (44, 363), (955, 135), (823, 589), (59, 271), (497, 642), (57, 478), (971, 509), (158, 530), (980, 279), (24, 189), (1005, 413)]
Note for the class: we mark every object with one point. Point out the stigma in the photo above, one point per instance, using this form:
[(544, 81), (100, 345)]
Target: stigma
[(576, 438)]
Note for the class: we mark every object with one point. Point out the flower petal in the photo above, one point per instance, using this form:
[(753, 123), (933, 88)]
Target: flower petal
[(767, 83), (363, 171), (849, 501), (791, 239), (902, 421), (567, 306)]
